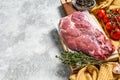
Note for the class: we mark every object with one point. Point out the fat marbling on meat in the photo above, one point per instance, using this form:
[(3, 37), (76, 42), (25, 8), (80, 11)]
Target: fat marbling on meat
[(79, 34)]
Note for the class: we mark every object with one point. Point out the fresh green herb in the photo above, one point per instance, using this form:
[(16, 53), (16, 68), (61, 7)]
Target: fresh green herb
[(76, 59)]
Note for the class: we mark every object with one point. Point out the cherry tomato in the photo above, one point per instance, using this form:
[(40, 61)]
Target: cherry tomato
[(115, 34), (115, 11), (119, 11), (101, 13), (106, 18), (118, 18), (114, 24), (112, 19), (109, 26)]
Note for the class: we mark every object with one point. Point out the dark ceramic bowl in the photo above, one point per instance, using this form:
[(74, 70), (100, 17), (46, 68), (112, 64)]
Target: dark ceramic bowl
[(83, 4)]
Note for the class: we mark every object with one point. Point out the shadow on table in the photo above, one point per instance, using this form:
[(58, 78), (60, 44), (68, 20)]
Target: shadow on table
[(62, 70), (61, 11), (56, 39)]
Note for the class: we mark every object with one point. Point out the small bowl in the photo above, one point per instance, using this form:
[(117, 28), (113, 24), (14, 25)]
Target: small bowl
[(83, 4)]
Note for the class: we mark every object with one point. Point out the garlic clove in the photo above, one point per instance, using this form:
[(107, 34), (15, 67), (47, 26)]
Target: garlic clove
[(116, 69)]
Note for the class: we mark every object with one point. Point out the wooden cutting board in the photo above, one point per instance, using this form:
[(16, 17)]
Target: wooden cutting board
[(69, 9)]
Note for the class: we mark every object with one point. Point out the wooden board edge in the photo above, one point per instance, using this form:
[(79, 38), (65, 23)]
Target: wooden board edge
[(65, 1), (66, 4)]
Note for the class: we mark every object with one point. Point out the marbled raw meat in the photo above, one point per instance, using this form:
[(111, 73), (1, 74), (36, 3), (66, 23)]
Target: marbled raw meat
[(79, 34)]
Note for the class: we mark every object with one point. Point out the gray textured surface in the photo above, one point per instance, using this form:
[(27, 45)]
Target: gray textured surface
[(29, 41)]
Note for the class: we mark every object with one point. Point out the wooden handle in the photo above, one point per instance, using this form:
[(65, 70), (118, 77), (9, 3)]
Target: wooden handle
[(65, 1), (68, 7)]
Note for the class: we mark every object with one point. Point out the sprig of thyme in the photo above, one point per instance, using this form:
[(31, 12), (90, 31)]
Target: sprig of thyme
[(76, 59)]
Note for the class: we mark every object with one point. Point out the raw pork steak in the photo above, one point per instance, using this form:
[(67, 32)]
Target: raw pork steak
[(79, 34)]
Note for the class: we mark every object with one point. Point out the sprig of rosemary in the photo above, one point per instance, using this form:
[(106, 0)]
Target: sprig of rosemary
[(76, 59)]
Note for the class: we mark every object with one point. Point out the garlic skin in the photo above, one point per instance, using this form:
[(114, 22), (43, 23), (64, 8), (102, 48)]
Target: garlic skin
[(116, 68)]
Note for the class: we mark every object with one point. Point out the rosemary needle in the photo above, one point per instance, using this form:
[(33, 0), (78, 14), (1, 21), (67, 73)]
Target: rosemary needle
[(76, 59)]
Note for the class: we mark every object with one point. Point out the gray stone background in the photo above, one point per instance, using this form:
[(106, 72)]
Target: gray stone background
[(29, 40)]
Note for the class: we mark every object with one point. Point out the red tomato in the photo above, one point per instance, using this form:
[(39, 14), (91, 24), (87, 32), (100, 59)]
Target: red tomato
[(106, 18), (109, 26), (115, 11), (118, 18), (119, 11), (114, 24), (112, 19), (101, 13), (115, 34)]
